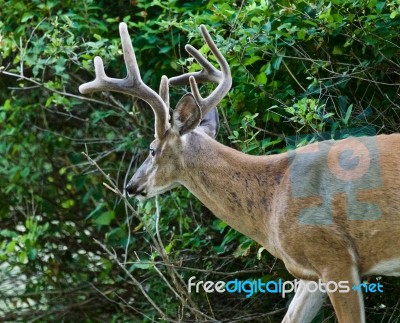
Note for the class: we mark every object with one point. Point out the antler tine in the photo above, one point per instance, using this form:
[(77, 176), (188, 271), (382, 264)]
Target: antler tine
[(132, 84), (164, 90), (209, 73)]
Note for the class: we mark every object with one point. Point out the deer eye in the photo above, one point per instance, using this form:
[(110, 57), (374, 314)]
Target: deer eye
[(152, 151)]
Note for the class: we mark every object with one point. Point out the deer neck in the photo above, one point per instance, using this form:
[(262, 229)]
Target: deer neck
[(228, 183)]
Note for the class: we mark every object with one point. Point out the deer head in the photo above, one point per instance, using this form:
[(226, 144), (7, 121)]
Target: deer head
[(160, 171)]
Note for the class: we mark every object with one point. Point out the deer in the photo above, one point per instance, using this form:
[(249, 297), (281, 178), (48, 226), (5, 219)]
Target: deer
[(329, 210)]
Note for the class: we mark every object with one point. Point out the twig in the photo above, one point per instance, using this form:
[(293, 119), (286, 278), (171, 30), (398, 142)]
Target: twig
[(133, 279), (83, 98), (292, 75), (110, 188), (394, 311), (168, 284), (116, 190), (215, 272), (157, 223)]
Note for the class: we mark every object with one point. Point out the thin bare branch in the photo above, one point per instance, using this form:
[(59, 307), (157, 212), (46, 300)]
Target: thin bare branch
[(133, 279)]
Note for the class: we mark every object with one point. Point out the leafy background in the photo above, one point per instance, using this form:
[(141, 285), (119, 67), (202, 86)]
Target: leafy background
[(71, 249)]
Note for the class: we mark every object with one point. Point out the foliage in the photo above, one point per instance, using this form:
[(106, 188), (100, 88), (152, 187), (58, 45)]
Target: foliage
[(299, 67)]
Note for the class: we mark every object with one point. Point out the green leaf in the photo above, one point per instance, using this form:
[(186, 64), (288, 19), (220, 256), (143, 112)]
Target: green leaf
[(250, 148), (219, 225), (68, 203), (141, 265), (100, 115), (261, 78), (348, 114), (165, 49), (169, 246), (337, 50), (116, 233), (105, 218), (8, 233), (380, 6), (328, 115), (251, 60), (276, 62), (301, 34), (267, 27), (27, 16), (25, 172), (23, 257), (11, 246), (260, 250), (32, 253), (7, 105), (48, 101)]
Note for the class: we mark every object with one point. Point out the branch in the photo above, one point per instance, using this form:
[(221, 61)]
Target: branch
[(133, 279)]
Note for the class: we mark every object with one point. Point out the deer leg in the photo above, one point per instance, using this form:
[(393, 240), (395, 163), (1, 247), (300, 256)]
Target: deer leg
[(304, 305), (349, 306)]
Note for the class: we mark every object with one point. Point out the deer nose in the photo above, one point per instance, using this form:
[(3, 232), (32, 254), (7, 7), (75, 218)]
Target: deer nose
[(133, 190)]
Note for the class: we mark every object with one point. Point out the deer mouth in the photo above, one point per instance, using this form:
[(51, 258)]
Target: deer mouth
[(134, 191), (141, 197)]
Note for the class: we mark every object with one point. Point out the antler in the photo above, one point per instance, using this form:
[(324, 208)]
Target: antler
[(208, 74), (132, 84)]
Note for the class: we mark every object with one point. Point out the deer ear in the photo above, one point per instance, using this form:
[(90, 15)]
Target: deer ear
[(187, 115), (210, 123)]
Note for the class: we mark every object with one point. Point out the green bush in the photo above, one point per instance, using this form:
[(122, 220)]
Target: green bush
[(298, 67)]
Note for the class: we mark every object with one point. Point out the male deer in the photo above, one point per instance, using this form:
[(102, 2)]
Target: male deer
[(329, 210)]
